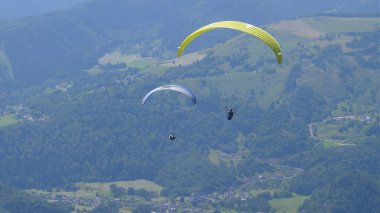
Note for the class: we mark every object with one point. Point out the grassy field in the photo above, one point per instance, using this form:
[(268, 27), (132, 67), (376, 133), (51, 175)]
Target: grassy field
[(125, 210), (91, 190), (137, 184), (242, 84), (288, 205), (213, 157), (342, 109), (343, 132), (142, 63), (229, 211), (314, 27), (78, 194), (103, 188), (129, 59), (116, 57), (298, 27), (308, 30), (184, 60), (338, 24), (8, 120), (329, 144), (94, 70)]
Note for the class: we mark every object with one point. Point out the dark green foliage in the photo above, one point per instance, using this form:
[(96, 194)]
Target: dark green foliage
[(142, 208), (301, 187), (147, 195), (323, 166), (15, 201), (282, 194), (249, 205), (131, 191), (291, 80), (264, 196), (308, 105), (347, 193), (194, 173), (107, 207), (51, 52), (94, 130), (374, 130), (117, 191), (251, 166), (278, 134), (330, 50)]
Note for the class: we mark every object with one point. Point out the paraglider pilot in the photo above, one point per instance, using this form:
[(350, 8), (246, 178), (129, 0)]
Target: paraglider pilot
[(230, 112), (171, 136)]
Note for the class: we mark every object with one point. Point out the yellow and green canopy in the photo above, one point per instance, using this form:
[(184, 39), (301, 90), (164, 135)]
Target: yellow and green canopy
[(236, 25)]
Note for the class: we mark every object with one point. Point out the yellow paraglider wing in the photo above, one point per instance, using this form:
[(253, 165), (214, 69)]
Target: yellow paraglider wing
[(236, 25)]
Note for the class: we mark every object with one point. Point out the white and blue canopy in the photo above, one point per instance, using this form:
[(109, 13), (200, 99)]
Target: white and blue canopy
[(177, 88)]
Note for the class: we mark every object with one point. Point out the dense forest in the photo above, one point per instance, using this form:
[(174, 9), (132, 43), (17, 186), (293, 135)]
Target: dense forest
[(13, 200)]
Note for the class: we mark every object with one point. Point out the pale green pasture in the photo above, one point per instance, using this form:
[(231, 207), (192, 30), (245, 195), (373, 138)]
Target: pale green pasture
[(102, 188), (94, 70), (329, 144), (229, 211), (186, 59), (267, 87), (288, 205), (142, 63), (340, 24), (8, 120), (79, 193), (116, 57), (330, 133), (213, 157), (342, 109), (125, 210), (137, 184)]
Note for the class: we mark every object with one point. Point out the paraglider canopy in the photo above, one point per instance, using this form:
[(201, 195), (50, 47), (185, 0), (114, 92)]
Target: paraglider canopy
[(181, 89), (236, 25)]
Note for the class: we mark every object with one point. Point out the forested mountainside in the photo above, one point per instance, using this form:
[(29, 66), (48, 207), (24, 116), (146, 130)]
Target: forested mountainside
[(13, 200), (22, 8), (62, 44), (91, 127)]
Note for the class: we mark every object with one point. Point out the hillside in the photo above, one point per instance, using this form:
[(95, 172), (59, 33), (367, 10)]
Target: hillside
[(22, 8), (57, 45), (91, 128)]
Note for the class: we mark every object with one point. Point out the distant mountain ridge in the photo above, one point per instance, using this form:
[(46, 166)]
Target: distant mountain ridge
[(64, 43), (22, 8)]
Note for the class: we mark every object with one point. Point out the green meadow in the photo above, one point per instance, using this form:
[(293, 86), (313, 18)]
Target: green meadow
[(288, 205), (8, 120)]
